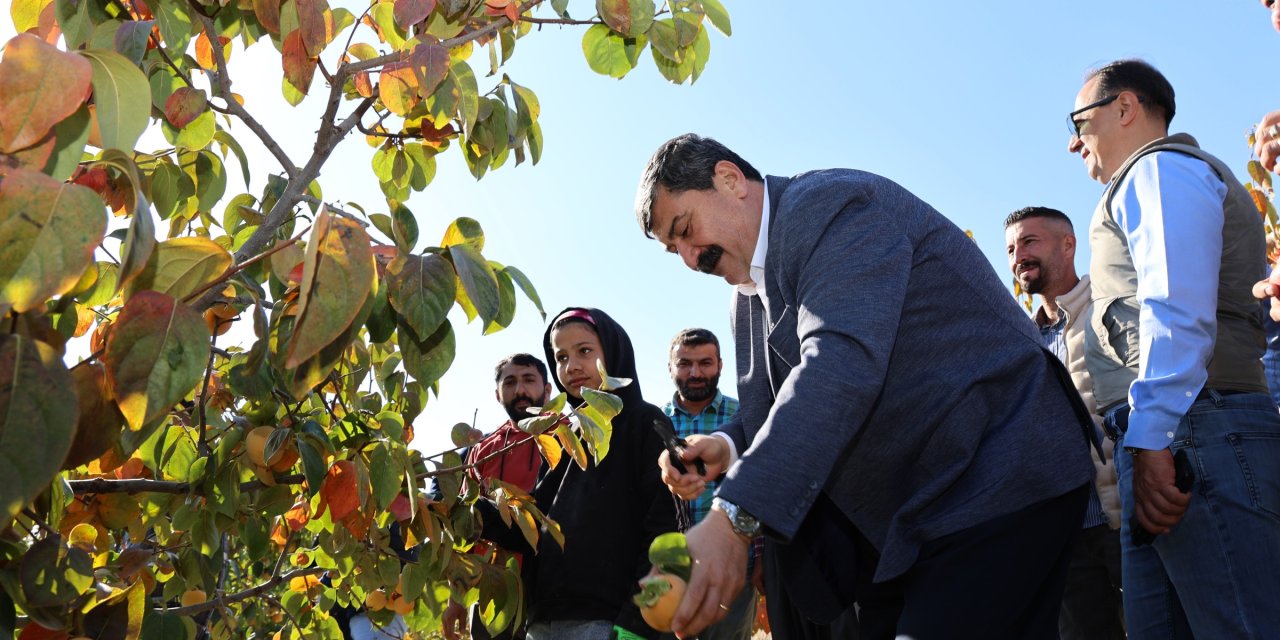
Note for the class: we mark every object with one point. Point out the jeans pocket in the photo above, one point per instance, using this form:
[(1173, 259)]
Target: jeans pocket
[(1259, 457)]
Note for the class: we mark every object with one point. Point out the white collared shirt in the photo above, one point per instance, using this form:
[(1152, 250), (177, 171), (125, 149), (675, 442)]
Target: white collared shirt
[(753, 288)]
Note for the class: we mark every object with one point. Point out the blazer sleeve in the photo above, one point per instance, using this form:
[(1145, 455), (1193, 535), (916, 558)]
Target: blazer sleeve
[(848, 270)]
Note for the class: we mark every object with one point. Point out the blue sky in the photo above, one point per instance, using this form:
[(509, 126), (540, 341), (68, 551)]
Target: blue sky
[(963, 103)]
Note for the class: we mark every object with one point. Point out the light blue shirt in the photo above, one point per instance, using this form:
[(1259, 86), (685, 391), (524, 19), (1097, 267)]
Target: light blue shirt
[(1169, 207)]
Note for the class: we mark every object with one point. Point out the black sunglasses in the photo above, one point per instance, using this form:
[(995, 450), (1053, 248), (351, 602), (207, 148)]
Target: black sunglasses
[(1073, 126)]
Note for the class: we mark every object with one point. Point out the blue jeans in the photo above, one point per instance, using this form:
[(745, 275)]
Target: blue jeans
[(1217, 573)]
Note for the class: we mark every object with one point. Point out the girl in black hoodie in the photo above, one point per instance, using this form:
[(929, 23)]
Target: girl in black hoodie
[(608, 513)]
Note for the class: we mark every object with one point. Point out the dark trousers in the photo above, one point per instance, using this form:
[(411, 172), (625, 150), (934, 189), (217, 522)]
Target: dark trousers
[(1092, 607), (1003, 578)]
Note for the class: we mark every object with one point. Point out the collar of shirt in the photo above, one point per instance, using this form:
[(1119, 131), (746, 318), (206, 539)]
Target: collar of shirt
[(717, 404), (762, 248)]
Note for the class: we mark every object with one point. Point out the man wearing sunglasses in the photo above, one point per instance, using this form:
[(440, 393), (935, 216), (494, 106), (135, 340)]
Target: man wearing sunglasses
[(1174, 352)]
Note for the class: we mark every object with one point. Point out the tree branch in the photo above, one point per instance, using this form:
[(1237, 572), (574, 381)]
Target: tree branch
[(145, 485), (223, 89), (239, 596)]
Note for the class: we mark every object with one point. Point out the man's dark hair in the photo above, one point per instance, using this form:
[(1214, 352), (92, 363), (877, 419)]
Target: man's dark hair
[(1141, 78), (523, 360), (683, 163), (694, 337), (1037, 212)]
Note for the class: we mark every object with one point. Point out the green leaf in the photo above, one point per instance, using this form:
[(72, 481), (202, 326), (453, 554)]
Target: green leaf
[(606, 404), (70, 137), (175, 24), (427, 360), (166, 626), (73, 19), (119, 615), (195, 136), (718, 16), (337, 279), (421, 289), (104, 286), (131, 39), (229, 142), (155, 354), (628, 17), (382, 320), (39, 87), (479, 290), (561, 7), (121, 96), (526, 286), (670, 554), (138, 245), (596, 431), (468, 93), (383, 14), (609, 53), (385, 473), (37, 420), (464, 231), (48, 233), (405, 227), (506, 301), (210, 177), (54, 574), (313, 466), (181, 267), (166, 189), (527, 105)]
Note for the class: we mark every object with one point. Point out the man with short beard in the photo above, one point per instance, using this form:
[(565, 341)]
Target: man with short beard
[(1041, 245), (698, 408), (508, 454)]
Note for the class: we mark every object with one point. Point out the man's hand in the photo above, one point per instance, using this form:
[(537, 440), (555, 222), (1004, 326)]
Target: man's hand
[(455, 621), (1270, 288), (719, 573), (1266, 145), (1158, 503), (715, 455)]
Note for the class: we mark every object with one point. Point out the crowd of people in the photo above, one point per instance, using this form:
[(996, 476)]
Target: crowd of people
[(910, 454)]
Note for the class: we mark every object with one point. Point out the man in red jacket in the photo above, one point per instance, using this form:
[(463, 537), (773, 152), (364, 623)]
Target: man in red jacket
[(507, 454)]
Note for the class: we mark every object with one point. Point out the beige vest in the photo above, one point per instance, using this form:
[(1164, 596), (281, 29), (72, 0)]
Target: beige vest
[(1112, 342)]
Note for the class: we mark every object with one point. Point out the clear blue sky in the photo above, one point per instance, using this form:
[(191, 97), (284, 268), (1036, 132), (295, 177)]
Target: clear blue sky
[(963, 103)]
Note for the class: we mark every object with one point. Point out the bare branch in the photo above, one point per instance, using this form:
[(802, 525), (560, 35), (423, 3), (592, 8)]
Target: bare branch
[(144, 485), (223, 89)]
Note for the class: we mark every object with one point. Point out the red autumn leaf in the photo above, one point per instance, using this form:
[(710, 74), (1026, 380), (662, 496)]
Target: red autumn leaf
[(410, 12), (315, 22), (339, 491), (364, 86), (430, 63), (33, 631), (297, 516), (184, 105), (400, 508), (39, 87), (299, 67), (268, 13)]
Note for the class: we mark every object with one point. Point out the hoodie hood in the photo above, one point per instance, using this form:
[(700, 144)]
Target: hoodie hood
[(619, 356)]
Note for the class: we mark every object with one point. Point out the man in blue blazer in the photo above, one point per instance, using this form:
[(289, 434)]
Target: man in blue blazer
[(900, 422)]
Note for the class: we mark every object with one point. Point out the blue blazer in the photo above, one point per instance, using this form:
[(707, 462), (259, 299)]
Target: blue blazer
[(888, 371)]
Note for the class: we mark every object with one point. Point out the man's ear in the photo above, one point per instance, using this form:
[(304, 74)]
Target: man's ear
[(1130, 107), (1069, 245), (730, 176), (546, 390)]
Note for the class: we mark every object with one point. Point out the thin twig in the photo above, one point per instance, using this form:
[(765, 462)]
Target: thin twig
[(145, 485), (204, 394), (231, 272), (223, 89)]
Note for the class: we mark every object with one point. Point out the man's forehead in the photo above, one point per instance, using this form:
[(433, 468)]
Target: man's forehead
[(514, 370), (695, 351)]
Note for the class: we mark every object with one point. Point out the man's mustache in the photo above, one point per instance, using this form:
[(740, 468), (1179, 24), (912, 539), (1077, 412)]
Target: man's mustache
[(709, 258)]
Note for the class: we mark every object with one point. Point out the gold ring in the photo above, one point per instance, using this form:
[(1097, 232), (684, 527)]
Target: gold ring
[(724, 607), (1273, 131)]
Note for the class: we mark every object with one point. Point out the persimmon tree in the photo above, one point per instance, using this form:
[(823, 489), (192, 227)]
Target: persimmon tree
[(158, 483)]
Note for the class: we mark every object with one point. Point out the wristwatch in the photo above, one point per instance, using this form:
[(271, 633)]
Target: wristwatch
[(743, 523)]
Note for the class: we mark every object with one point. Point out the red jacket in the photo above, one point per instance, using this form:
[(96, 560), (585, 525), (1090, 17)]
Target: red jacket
[(518, 465)]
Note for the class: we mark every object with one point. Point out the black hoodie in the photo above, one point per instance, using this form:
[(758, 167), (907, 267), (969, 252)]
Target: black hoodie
[(608, 513)]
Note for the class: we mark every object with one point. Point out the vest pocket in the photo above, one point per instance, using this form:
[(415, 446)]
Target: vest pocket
[(1117, 329), (783, 340)]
